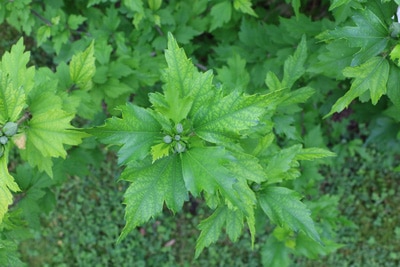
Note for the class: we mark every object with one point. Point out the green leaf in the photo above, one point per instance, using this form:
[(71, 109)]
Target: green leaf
[(75, 20), (203, 170), (338, 3), (136, 132), (279, 166), (220, 14), (372, 75), (212, 226), (15, 81), (370, 34), (393, 86), (244, 6), (152, 185), (235, 76), (274, 253), (48, 131), (241, 165), (82, 68), (294, 65), (211, 229), (283, 207), (296, 6), (334, 58), (154, 4), (395, 55), (178, 79), (222, 120), (313, 153), (7, 184)]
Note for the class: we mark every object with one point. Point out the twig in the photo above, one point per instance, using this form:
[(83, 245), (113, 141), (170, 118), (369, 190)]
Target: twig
[(46, 21)]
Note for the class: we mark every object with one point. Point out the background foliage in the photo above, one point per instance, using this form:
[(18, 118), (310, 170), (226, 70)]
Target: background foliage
[(314, 75)]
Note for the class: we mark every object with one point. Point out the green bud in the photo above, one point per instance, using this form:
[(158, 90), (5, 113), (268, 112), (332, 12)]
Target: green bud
[(179, 128), (167, 139), (179, 147), (10, 128), (3, 140), (177, 137)]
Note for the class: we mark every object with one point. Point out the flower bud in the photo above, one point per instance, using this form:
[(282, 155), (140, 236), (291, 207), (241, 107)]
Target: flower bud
[(10, 128), (167, 139), (3, 140), (179, 128)]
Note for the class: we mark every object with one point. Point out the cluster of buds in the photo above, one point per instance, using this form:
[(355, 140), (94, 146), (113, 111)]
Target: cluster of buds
[(179, 145), (7, 131)]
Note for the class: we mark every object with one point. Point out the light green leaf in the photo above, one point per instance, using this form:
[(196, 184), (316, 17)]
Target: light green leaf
[(178, 79), (15, 81), (220, 14), (372, 75), (273, 82), (154, 4), (313, 153), (152, 185), (82, 68), (7, 184), (294, 65), (244, 6), (136, 132), (283, 207), (159, 151)]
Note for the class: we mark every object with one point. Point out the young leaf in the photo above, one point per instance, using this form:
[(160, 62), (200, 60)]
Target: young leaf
[(178, 81), (151, 186), (82, 68), (372, 75), (136, 133), (283, 207)]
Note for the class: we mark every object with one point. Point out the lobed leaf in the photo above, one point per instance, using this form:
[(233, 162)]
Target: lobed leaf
[(151, 186), (372, 75), (135, 132)]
